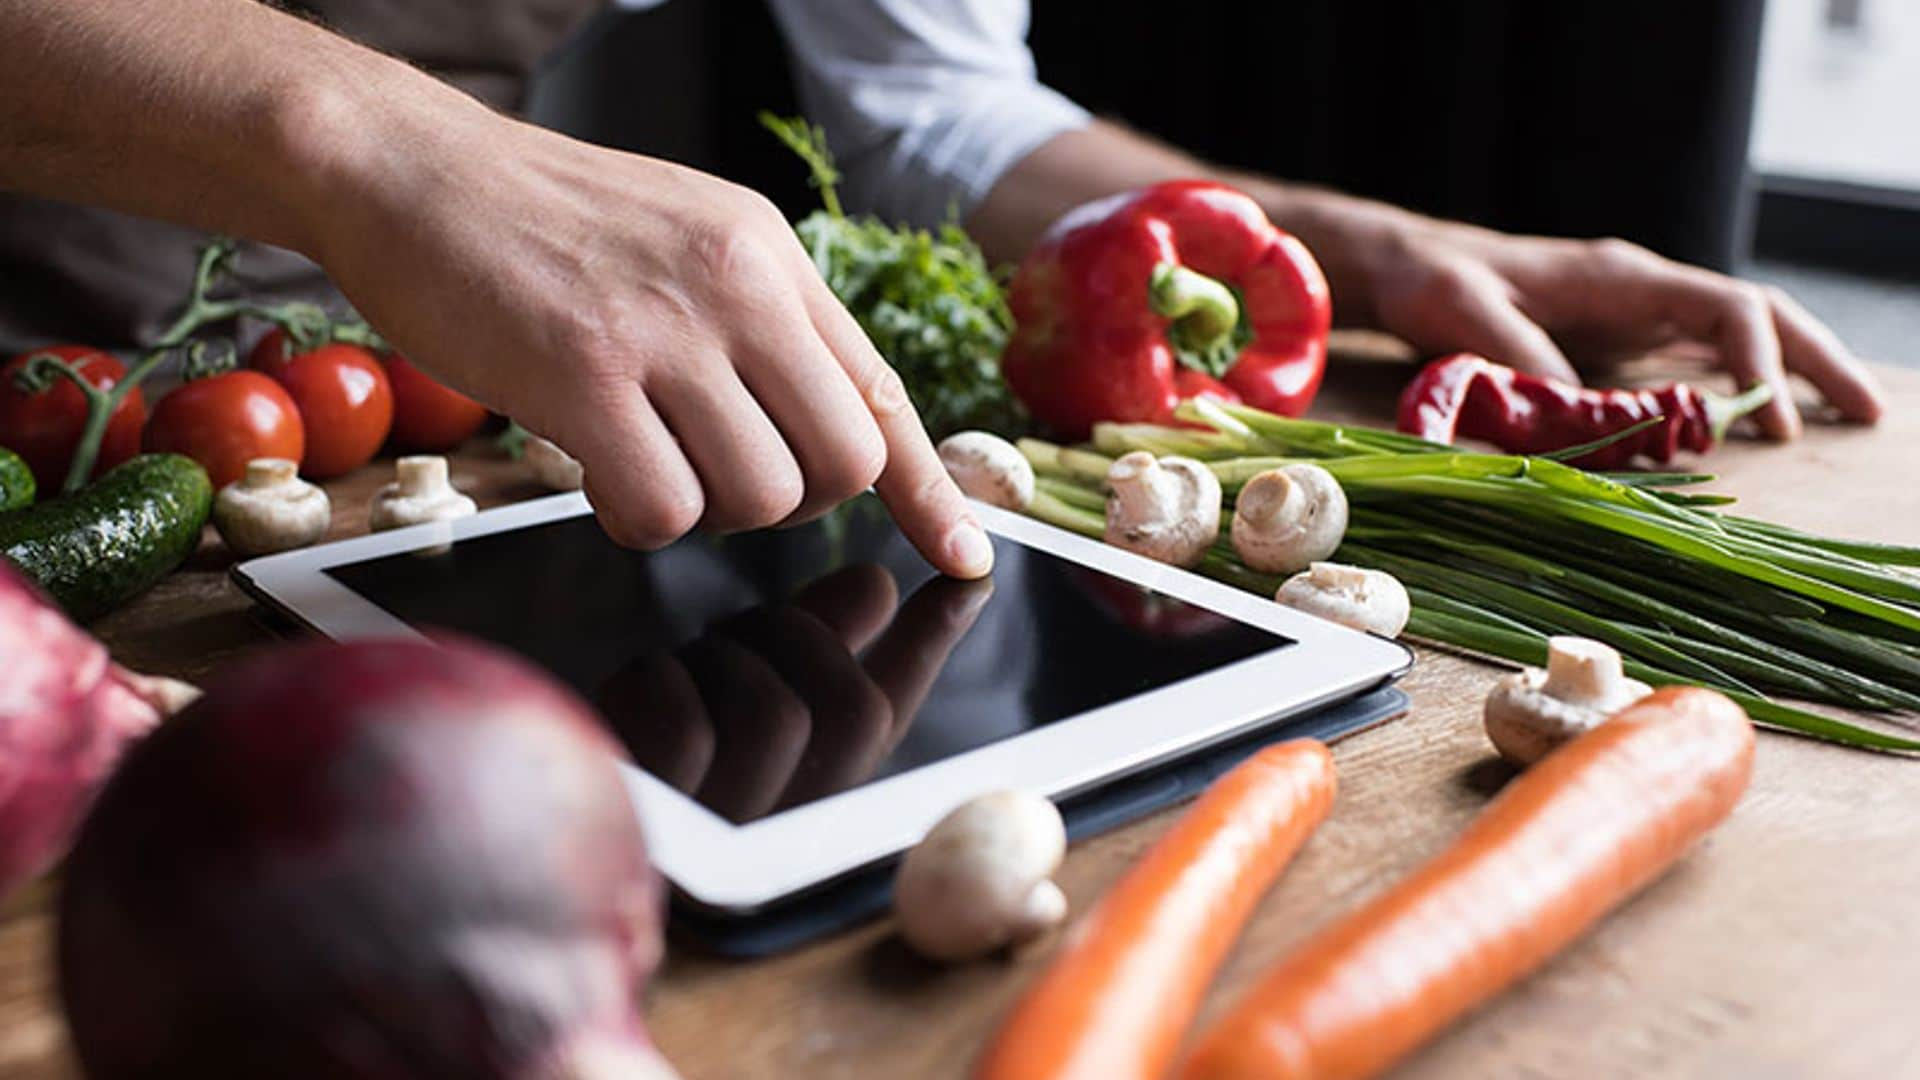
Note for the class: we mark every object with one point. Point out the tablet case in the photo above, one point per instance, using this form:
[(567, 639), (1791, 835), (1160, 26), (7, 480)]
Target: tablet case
[(867, 894)]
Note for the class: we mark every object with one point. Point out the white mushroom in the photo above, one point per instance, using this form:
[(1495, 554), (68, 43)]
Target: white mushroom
[(420, 493), (989, 468), (1371, 601), (1285, 519), (270, 509), (553, 467), (981, 879), (1531, 712), (1164, 508)]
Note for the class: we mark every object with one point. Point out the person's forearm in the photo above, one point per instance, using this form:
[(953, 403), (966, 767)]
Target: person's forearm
[(221, 114), (1104, 158), (1065, 171)]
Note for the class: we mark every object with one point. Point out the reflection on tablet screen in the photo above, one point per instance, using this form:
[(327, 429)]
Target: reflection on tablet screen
[(762, 671)]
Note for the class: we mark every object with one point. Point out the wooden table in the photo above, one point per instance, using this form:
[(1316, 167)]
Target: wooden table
[(1785, 946)]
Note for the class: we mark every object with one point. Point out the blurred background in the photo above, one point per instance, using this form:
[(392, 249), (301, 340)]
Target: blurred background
[(1775, 139)]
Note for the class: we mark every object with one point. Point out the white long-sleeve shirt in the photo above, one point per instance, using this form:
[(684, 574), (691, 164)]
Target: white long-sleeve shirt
[(926, 103)]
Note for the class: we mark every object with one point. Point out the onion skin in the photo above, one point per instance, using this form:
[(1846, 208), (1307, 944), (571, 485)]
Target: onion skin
[(381, 859), (66, 714)]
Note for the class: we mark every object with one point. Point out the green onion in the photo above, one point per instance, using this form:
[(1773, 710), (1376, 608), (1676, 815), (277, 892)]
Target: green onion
[(1500, 551)]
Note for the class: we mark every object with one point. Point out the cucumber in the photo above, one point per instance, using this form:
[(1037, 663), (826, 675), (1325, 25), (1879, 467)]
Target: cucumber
[(16, 481), (100, 547)]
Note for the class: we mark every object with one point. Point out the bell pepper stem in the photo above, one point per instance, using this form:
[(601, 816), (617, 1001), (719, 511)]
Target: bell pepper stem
[(1723, 411), (1203, 308)]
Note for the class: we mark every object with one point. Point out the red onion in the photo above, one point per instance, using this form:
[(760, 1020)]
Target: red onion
[(370, 860), (66, 713)]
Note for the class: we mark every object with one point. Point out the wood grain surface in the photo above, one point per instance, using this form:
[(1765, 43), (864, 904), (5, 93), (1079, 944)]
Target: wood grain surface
[(1787, 945)]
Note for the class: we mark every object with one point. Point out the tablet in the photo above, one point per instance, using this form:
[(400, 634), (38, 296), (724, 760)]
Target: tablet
[(801, 704)]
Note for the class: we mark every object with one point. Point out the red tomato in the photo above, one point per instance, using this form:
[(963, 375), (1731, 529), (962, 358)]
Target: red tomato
[(426, 414), (271, 353), (44, 428), (226, 420), (344, 398)]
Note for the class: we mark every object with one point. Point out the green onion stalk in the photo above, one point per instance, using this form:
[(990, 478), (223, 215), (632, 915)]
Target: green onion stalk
[(1499, 552)]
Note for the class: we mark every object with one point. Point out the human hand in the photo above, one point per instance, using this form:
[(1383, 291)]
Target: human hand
[(661, 325), (776, 706), (1554, 307)]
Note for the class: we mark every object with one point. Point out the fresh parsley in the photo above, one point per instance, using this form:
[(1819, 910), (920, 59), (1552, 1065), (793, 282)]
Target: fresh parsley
[(928, 300)]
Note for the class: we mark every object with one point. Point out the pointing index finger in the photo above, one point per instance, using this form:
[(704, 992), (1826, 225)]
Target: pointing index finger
[(914, 484)]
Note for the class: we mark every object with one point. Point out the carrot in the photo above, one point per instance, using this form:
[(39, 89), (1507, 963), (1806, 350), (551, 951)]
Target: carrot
[(1117, 1000), (1566, 842)]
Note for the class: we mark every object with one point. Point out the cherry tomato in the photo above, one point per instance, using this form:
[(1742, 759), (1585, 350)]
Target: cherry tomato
[(271, 353), (44, 428), (226, 420), (344, 398), (426, 414)]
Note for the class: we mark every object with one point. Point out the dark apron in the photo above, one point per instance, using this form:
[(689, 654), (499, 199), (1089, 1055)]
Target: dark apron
[(79, 274)]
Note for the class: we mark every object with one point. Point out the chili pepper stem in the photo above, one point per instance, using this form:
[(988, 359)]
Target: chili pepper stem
[(1203, 308), (1723, 411)]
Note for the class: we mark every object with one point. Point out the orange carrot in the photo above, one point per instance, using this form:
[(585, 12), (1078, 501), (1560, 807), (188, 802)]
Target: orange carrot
[(1564, 844), (1119, 996)]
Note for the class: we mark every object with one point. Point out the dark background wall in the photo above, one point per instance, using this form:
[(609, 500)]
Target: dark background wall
[(1628, 118)]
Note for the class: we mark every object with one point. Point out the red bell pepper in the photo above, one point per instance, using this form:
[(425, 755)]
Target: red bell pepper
[(1130, 304), (1471, 396)]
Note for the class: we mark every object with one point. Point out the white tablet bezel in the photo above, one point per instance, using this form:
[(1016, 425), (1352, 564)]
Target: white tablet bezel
[(741, 868)]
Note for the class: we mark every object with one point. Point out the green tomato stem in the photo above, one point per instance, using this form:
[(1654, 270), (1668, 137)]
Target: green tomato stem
[(38, 374)]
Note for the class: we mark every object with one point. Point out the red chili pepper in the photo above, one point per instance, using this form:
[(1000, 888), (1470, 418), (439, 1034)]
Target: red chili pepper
[(1130, 304), (1469, 396)]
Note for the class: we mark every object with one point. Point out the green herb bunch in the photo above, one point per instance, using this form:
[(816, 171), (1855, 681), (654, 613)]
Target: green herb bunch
[(928, 300)]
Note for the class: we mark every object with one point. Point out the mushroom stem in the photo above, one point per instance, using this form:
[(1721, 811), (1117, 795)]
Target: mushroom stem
[(268, 472), (1579, 669), (1046, 908), (420, 493), (419, 474), (1532, 711)]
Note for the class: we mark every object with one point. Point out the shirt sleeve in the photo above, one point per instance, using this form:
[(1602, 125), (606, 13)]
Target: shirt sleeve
[(925, 102)]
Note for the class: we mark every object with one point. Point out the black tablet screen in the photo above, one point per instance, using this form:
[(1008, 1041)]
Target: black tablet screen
[(761, 671)]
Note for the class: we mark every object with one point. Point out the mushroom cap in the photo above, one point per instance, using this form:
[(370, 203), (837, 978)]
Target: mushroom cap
[(1531, 712), (553, 467), (1164, 508), (270, 509), (1371, 601), (989, 468), (980, 879), (1288, 518)]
